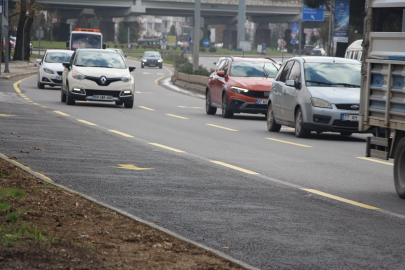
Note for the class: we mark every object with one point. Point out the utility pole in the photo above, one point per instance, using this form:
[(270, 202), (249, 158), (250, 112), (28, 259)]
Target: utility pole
[(196, 37), (241, 23), (1, 27), (331, 27), (128, 41), (7, 53)]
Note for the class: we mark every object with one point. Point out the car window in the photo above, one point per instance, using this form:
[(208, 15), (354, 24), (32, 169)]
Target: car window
[(277, 78), (72, 58), (332, 74), (151, 54), (295, 73), (253, 69), (57, 57), (225, 67), (221, 64), (286, 71), (99, 59)]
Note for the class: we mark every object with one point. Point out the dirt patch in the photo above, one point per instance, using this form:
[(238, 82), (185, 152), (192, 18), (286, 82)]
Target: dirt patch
[(45, 227)]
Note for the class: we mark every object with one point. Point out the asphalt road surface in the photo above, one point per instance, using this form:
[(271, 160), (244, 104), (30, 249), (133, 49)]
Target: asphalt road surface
[(269, 199)]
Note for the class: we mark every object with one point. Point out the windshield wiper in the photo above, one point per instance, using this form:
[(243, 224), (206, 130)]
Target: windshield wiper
[(348, 84), (318, 82), (264, 71)]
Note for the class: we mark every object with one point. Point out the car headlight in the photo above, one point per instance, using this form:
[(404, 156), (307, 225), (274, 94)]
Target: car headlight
[(78, 76), (317, 102), (126, 78), (49, 71), (144, 60), (239, 90), (160, 60)]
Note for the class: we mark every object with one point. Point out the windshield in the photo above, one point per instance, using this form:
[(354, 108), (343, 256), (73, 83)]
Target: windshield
[(151, 54), (332, 74), (99, 59), (253, 69), (57, 57), (84, 40)]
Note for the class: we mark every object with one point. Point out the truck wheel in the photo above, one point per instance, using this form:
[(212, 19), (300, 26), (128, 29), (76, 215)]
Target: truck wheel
[(271, 122), (399, 168)]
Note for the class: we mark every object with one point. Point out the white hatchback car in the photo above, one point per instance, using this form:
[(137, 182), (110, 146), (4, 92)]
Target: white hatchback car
[(98, 75), (50, 68)]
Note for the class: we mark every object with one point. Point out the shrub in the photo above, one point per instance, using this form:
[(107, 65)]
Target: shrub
[(108, 45), (144, 46), (122, 46), (175, 48), (115, 46), (212, 49)]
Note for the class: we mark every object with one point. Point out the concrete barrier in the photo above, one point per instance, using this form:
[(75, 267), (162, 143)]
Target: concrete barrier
[(194, 83)]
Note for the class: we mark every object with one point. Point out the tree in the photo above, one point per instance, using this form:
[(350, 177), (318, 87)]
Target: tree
[(173, 31), (52, 19), (274, 41), (123, 32), (313, 39)]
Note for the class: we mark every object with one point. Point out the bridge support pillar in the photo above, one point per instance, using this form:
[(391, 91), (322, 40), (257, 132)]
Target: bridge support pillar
[(263, 34), (107, 28), (230, 36)]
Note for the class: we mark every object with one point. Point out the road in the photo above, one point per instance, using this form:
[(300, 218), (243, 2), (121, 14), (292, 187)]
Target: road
[(269, 199)]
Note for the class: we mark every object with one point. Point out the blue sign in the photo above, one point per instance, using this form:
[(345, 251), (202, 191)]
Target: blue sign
[(190, 41), (294, 41), (1, 7), (341, 31), (295, 30), (313, 14), (206, 43)]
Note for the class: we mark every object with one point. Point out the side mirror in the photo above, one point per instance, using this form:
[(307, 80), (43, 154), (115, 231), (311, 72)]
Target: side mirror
[(104, 46), (221, 73), (67, 44), (215, 63), (66, 64), (125, 55), (293, 83), (38, 61), (131, 68)]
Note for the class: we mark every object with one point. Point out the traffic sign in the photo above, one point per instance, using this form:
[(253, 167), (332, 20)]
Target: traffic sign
[(163, 38), (206, 42), (293, 35), (313, 14), (283, 43)]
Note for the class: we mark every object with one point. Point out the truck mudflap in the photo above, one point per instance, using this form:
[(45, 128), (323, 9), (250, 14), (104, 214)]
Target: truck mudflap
[(378, 147)]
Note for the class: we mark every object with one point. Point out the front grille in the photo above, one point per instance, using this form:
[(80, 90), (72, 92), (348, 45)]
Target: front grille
[(256, 106), (91, 92), (349, 124), (56, 81), (347, 107), (60, 73), (98, 80), (255, 94)]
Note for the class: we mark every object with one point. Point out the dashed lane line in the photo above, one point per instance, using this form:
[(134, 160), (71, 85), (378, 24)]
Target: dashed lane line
[(6, 115), (230, 129), (86, 122), (167, 147), (146, 108), (233, 167), (121, 133), (297, 144), (173, 115), (61, 113), (378, 161)]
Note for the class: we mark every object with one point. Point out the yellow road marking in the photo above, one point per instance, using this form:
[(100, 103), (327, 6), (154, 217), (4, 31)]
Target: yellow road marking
[(221, 127), (6, 115), (379, 161), (146, 108), (121, 133), (167, 147), (61, 113), (44, 107), (16, 86), (26, 98), (130, 167), (13, 161), (303, 145), (88, 123), (35, 104), (233, 167), (190, 107), (340, 199), (30, 101), (181, 117)]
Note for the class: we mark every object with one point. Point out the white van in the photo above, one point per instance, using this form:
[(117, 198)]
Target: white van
[(355, 50)]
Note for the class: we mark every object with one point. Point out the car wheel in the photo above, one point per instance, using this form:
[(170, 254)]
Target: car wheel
[(346, 133), (40, 85), (271, 122), (225, 112), (129, 104), (141, 66), (119, 103), (300, 131), (208, 108), (160, 66), (62, 96), (399, 168), (69, 99)]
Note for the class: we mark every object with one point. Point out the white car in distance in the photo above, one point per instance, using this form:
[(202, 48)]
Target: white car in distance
[(50, 67), (98, 75)]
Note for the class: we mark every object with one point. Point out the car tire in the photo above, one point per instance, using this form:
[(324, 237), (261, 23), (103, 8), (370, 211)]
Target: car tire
[(225, 112), (40, 85), (209, 109), (160, 66), (141, 66), (119, 103), (346, 133), (300, 131), (69, 99), (271, 122), (399, 168), (129, 104), (62, 96)]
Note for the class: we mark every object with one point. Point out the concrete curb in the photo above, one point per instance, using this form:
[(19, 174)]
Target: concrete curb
[(20, 74), (124, 213)]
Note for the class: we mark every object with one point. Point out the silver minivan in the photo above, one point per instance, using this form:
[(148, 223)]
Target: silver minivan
[(316, 94)]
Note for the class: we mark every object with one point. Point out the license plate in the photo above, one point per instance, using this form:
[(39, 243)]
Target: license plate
[(58, 78), (152, 65), (350, 117), (262, 101), (102, 97)]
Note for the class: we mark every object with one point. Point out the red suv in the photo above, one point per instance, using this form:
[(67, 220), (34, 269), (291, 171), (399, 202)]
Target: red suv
[(240, 85)]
